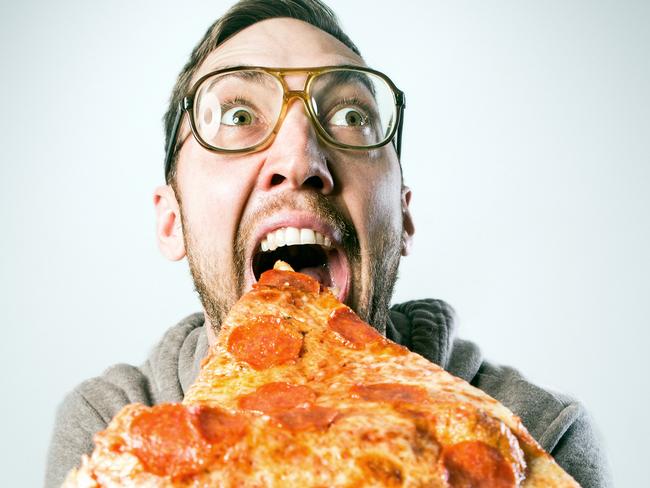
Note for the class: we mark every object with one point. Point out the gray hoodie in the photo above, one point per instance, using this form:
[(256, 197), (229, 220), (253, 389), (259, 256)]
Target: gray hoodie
[(560, 424)]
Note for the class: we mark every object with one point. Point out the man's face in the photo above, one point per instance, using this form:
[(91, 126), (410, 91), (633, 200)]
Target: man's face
[(230, 204)]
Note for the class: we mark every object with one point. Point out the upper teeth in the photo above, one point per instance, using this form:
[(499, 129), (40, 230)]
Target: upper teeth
[(291, 236)]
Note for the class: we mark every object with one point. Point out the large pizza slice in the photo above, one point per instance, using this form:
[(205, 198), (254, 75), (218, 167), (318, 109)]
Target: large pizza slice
[(298, 391)]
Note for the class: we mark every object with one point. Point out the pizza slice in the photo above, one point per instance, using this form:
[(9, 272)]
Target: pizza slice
[(299, 391)]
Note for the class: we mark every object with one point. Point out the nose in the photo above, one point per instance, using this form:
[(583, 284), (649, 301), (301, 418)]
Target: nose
[(296, 159)]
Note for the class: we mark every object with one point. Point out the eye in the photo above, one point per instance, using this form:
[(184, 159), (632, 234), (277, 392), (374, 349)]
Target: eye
[(237, 116), (348, 117)]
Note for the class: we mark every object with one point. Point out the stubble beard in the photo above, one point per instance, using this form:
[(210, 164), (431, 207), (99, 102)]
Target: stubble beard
[(219, 288)]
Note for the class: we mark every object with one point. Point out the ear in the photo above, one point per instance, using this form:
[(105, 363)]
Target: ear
[(407, 221), (169, 229)]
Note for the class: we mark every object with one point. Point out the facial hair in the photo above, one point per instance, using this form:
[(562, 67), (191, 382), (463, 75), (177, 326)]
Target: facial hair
[(372, 287)]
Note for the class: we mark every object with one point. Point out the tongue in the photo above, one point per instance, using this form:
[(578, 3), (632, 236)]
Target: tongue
[(320, 273)]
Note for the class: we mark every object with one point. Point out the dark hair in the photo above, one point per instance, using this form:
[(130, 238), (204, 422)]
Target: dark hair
[(241, 15)]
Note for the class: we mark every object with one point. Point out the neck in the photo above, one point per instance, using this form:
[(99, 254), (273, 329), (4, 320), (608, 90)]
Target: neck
[(210, 330)]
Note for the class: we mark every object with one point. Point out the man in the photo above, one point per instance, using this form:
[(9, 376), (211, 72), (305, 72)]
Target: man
[(267, 160)]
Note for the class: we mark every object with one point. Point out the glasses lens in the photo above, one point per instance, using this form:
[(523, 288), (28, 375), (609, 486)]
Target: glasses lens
[(237, 110), (354, 107)]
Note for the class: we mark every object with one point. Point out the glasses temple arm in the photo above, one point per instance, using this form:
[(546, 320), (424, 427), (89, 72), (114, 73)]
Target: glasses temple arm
[(400, 124), (169, 152), (398, 145)]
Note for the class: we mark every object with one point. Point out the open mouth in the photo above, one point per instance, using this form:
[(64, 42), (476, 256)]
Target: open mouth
[(308, 252)]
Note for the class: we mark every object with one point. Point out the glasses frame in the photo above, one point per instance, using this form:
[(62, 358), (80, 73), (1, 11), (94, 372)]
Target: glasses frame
[(186, 105)]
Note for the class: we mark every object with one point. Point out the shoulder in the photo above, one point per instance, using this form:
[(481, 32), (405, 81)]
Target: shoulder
[(93, 403), (545, 413), (157, 380), (560, 423), (174, 362), (86, 410), (104, 395)]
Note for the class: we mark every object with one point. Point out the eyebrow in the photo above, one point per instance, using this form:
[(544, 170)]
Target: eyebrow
[(214, 68), (342, 76), (219, 67), (228, 66), (351, 75), (255, 76)]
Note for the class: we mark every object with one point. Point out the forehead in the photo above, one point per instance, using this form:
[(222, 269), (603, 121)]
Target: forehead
[(281, 42)]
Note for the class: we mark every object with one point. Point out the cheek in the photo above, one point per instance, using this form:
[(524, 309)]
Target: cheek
[(214, 191), (386, 209), (374, 203)]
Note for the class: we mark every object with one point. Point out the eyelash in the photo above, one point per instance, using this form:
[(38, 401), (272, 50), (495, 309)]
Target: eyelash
[(345, 102), (356, 102), (227, 105)]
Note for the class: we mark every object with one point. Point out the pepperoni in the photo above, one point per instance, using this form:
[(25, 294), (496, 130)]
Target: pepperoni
[(269, 295), (265, 341), (354, 330), (391, 392), (218, 426), (178, 441), (289, 279), (274, 397), (166, 441), (311, 417), (290, 406), (476, 464)]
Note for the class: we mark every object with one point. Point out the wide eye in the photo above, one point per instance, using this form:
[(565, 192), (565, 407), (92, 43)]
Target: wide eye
[(237, 116), (348, 117)]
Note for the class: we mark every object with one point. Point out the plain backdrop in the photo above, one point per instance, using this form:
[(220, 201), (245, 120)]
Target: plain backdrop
[(526, 145)]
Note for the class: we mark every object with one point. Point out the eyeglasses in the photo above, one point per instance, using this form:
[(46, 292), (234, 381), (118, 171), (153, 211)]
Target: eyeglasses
[(241, 109)]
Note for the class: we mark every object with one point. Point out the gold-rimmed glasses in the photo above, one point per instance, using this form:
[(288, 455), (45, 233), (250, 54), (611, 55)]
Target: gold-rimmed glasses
[(241, 109)]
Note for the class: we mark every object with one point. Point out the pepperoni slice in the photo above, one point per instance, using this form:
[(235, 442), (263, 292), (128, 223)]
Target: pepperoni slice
[(178, 441), (476, 464), (391, 392), (269, 295), (218, 426), (354, 330), (166, 441), (311, 417), (265, 341), (289, 279), (274, 397)]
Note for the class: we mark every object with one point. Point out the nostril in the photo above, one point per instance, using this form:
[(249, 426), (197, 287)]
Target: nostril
[(314, 182), (276, 179)]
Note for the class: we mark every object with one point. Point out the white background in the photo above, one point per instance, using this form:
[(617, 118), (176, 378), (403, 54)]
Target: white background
[(526, 144)]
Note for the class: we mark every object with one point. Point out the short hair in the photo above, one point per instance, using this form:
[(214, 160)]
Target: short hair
[(241, 15)]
